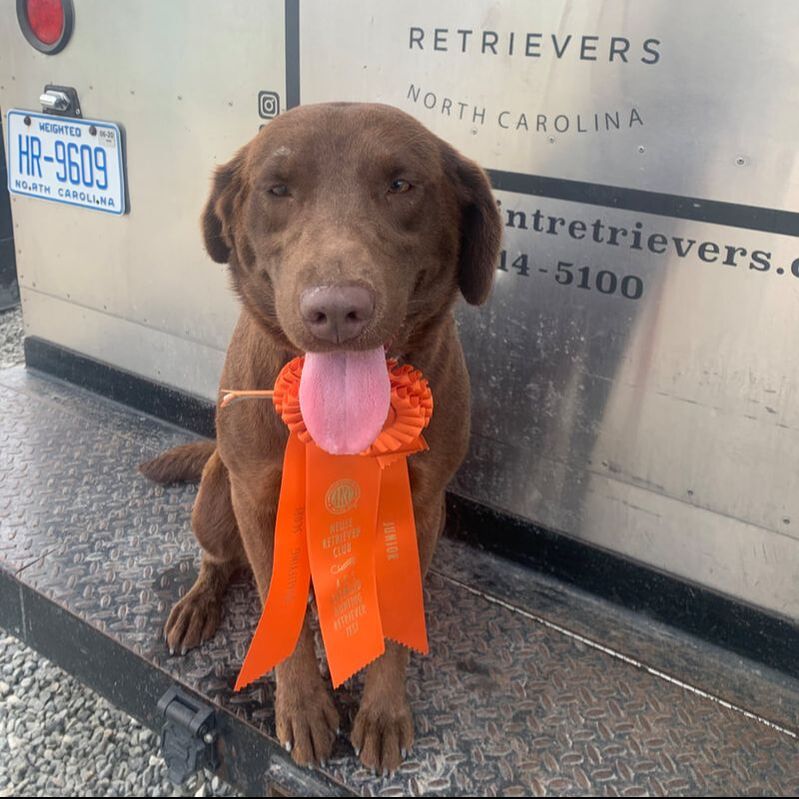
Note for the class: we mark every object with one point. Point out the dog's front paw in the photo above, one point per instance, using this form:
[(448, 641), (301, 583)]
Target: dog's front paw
[(194, 619), (307, 723), (382, 734)]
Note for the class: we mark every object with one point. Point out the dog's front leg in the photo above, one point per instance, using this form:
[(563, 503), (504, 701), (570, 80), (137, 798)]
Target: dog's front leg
[(306, 719), (382, 733)]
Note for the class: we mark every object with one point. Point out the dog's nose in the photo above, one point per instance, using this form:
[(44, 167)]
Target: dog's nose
[(336, 313)]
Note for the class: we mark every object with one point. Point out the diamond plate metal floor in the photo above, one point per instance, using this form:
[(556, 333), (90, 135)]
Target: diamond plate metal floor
[(530, 688)]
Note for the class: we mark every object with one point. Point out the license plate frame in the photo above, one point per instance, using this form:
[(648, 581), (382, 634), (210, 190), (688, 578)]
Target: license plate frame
[(87, 170)]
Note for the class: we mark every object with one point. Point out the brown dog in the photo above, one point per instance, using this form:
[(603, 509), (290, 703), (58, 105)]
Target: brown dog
[(346, 226)]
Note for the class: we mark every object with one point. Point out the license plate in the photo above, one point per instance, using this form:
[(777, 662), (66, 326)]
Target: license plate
[(66, 160)]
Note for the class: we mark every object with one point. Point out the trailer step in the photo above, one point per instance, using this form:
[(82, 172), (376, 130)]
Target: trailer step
[(531, 687)]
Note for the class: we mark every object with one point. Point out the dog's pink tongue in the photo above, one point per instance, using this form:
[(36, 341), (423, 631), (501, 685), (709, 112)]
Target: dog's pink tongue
[(344, 398)]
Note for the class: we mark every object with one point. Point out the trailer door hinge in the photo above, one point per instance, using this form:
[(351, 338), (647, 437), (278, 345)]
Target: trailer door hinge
[(188, 735)]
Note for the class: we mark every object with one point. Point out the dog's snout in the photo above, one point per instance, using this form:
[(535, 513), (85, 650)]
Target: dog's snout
[(336, 313)]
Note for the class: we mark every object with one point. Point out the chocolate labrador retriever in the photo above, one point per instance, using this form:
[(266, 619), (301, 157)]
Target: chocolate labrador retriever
[(346, 227)]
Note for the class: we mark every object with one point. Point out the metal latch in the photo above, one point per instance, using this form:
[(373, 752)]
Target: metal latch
[(188, 735), (61, 101)]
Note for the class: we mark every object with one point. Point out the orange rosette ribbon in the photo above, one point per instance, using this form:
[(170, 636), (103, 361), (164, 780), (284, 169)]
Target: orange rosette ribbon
[(345, 524)]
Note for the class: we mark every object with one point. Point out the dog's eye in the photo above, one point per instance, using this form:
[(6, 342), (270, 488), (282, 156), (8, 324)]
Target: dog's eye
[(280, 190), (399, 186)]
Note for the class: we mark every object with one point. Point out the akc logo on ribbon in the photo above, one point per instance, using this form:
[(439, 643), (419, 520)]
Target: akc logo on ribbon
[(342, 496)]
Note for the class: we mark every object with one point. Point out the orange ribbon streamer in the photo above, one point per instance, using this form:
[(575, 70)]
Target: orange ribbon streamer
[(345, 523)]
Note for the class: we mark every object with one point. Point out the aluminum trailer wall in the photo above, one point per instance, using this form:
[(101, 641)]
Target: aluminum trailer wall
[(635, 377)]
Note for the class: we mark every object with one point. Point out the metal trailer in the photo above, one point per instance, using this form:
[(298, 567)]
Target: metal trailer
[(634, 376)]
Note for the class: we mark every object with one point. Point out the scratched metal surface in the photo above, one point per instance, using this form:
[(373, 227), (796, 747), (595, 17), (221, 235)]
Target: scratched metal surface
[(503, 706)]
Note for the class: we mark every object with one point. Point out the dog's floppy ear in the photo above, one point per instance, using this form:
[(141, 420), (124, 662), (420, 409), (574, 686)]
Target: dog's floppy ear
[(222, 205), (480, 226)]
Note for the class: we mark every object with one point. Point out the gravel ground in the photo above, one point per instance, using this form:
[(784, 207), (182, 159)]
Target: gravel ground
[(11, 353), (58, 737)]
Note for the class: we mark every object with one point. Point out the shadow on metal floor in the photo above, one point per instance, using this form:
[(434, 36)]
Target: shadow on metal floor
[(531, 688)]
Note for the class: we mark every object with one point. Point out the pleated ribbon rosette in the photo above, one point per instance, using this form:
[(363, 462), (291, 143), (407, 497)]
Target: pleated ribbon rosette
[(345, 524)]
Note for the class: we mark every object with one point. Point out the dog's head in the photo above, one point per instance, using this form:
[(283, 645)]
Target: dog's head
[(348, 226)]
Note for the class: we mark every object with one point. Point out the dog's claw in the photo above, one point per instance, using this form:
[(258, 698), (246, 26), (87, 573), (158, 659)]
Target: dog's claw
[(305, 718), (380, 734), (194, 618)]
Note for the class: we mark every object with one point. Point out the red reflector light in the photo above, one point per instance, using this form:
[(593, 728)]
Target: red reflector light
[(46, 24), (46, 18)]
